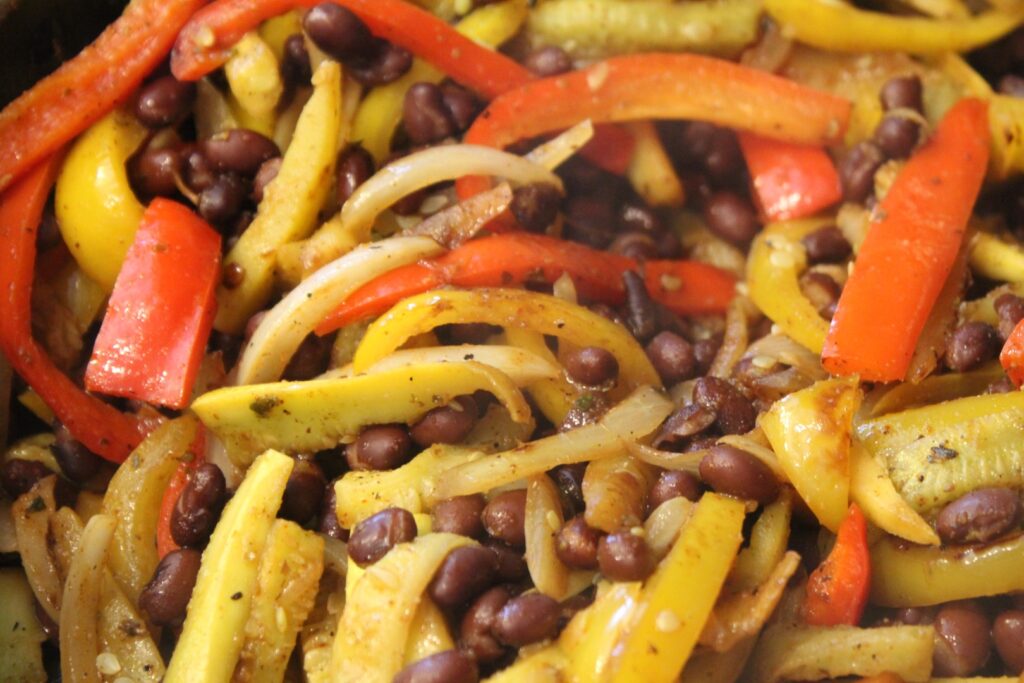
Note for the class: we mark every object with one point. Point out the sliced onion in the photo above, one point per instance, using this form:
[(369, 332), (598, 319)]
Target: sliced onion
[(662, 527), (542, 520), (284, 327), (734, 342), (31, 512), (456, 224), (687, 462), (555, 151), (788, 352), (79, 643)]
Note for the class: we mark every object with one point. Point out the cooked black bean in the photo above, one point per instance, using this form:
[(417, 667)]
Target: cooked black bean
[(166, 595), (734, 412), (635, 216), (735, 472), (223, 200), (164, 101), (641, 311), (198, 507), (591, 366), (914, 615), (424, 115), (970, 345), (1008, 635), (695, 141), (673, 484), (468, 333), (576, 544), (897, 135), (526, 619), (339, 32), (268, 170), (504, 517), (151, 172), (590, 220), (450, 666), (304, 491), (388, 63), (464, 574), (475, 629), (548, 61), (460, 515), (821, 290), (569, 480), (535, 206), (373, 537), (902, 92), (704, 352), (962, 643), (447, 424), (18, 476), (979, 516), (355, 166), (624, 556), (462, 106), (1012, 85), (638, 246), (76, 461), (723, 160), (329, 524), (857, 170), (295, 66), (1010, 309), (672, 356), (381, 447), (731, 217), (511, 563), (198, 172), (683, 423), (239, 150), (668, 245), (826, 245)]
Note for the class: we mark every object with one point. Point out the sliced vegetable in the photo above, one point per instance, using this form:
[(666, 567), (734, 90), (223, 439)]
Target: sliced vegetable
[(31, 513), (996, 259), (79, 645), (768, 541), (428, 633), (589, 639), (837, 590), (1012, 355), (254, 76), (789, 180), (522, 367), (555, 396), (873, 490), (21, 636), (928, 206), (615, 492), (650, 170), (543, 519)]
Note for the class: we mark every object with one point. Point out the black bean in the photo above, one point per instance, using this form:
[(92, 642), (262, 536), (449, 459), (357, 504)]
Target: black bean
[(970, 345), (223, 200), (462, 106), (735, 413), (902, 92), (526, 619), (239, 150), (897, 136), (857, 171), (673, 484), (569, 480), (668, 245), (1010, 309), (388, 63), (152, 172), (166, 596), (164, 101), (686, 422), (735, 472), (450, 666), (373, 537), (464, 574), (624, 556), (821, 290), (914, 616), (48, 234), (310, 359), (1012, 85), (198, 172), (460, 515), (591, 366), (198, 507), (304, 492), (338, 32), (732, 218), (504, 517), (704, 352), (76, 461), (590, 220), (381, 447), (511, 563), (576, 544), (638, 246), (18, 476), (447, 424), (979, 516), (638, 217), (695, 142), (329, 524), (641, 311), (672, 356), (535, 206), (962, 643), (1008, 635), (295, 66), (424, 115), (475, 629), (826, 245), (355, 166), (723, 160), (548, 61), (267, 172)]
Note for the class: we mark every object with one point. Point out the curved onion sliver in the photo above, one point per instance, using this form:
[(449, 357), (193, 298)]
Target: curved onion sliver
[(79, 642), (552, 153), (31, 513), (456, 224)]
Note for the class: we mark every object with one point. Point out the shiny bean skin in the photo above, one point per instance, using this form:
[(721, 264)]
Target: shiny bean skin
[(388, 63), (902, 92), (734, 412), (198, 507), (304, 492), (329, 524), (535, 206), (504, 517), (447, 424), (686, 422), (732, 218), (672, 356), (450, 666), (673, 484), (1008, 636), (310, 359), (268, 170), (152, 172), (381, 447), (897, 136), (826, 245), (857, 171), (295, 66), (735, 472), (460, 103), (373, 537), (591, 366), (511, 563), (223, 199), (198, 172), (962, 643), (569, 480), (18, 476), (355, 166), (338, 31), (424, 115), (1010, 309), (576, 544), (164, 101), (527, 619), (460, 515), (624, 556), (464, 574), (970, 345), (979, 516), (475, 634), (641, 311), (165, 598), (548, 61), (76, 461), (239, 150)]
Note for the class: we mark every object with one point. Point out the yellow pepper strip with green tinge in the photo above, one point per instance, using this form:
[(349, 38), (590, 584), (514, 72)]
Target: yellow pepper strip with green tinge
[(995, 259), (254, 77), (873, 490)]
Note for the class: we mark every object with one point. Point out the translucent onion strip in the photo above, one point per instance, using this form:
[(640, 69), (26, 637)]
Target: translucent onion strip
[(543, 519), (555, 151), (457, 224), (31, 513), (78, 638)]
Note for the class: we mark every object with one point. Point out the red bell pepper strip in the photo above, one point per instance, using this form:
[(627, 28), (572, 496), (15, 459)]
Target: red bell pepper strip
[(101, 428), (837, 590), (789, 180), (161, 310), (165, 542), (909, 252), (660, 86), (509, 259), (80, 92), (611, 148), (1012, 355)]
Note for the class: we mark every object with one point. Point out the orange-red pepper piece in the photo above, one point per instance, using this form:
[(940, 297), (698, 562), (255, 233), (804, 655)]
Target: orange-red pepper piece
[(837, 590)]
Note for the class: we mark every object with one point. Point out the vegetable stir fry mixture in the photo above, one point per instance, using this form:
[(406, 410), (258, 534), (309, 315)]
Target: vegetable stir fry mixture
[(424, 341)]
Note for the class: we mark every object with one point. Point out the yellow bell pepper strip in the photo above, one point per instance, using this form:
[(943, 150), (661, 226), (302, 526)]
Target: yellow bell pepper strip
[(810, 432), (1012, 355), (837, 590), (996, 259), (936, 454), (543, 666), (317, 414), (254, 77), (154, 334), (838, 26), (100, 427), (650, 170), (62, 105), (678, 598), (927, 207), (374, 627), (511, 308), (290, 203), (222, 599), (590, 637), (97, 212), (914, 576), (428, 633), (768, 541), (554, 397), (789, 180), (934, 389)]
